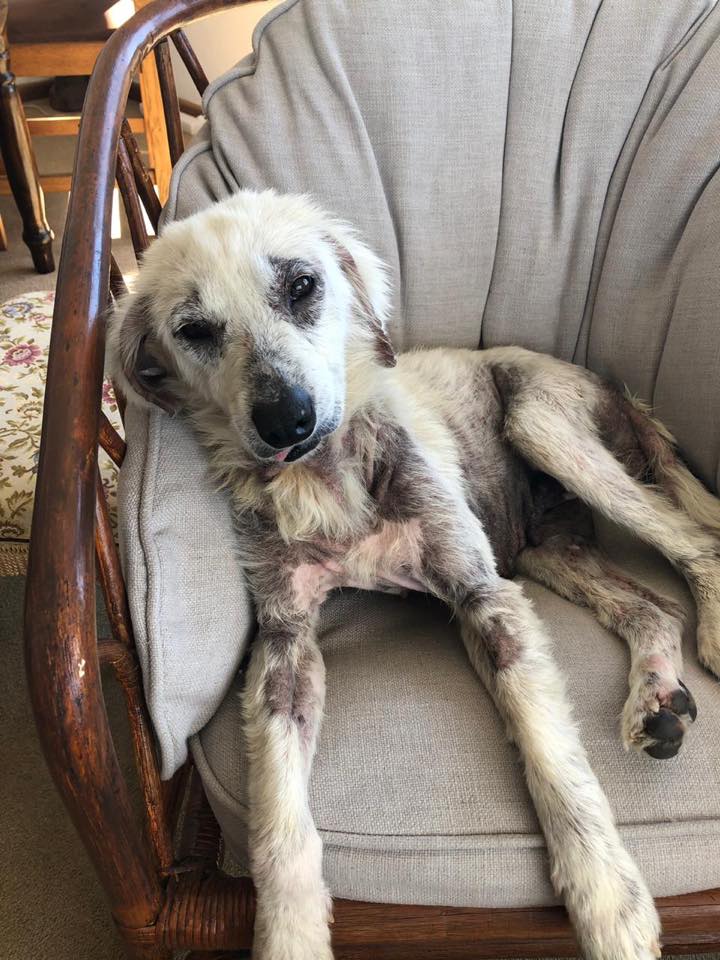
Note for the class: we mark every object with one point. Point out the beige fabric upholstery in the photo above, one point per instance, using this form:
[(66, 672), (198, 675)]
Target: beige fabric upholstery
[(416, 792), (532, 174)]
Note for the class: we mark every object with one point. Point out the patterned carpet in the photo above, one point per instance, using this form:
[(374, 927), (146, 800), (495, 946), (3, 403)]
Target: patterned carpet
[(24, 340)]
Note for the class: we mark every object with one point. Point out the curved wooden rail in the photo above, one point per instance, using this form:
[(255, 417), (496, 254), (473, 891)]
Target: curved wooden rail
[(60, 628)]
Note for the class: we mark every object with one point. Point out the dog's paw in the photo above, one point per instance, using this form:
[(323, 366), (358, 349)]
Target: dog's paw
[(658, 711)]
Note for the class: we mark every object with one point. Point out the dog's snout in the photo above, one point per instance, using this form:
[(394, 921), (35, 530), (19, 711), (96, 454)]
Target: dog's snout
[(287, 420)]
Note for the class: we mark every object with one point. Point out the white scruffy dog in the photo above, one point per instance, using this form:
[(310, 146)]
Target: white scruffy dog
[(263, 320)]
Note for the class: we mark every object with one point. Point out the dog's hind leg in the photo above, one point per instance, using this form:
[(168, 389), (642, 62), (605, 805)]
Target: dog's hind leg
[(282, 704), (560, 432), (664, 464), (659, 707)]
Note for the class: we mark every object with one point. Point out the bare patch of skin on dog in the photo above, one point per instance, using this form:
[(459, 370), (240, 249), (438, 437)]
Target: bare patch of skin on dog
[(391, 555), (618, 431), (502, 647), (392, 482), (280, 688), (311, 583)]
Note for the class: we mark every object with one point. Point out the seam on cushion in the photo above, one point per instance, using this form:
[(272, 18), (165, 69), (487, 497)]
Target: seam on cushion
[(196, 746), (155, 591), (558, 163), (688, 35), (137, 522), (236, 73), (441, 845), (502, 178), (139, 517), (352, 106), (586, 324), (676, 292), (168, 211), (599, 257), (706, 826)]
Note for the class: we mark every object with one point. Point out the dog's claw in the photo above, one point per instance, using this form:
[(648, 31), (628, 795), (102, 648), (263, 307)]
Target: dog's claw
[(682, 701)]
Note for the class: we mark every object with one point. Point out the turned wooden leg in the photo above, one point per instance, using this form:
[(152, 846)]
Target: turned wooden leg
[(136, 949), (21, 169), (135, 952), (3, 235), (147, 952)]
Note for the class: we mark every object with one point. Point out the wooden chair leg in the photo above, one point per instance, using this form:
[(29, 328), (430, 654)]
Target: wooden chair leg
[(21, 169), (155, 129), (147, 952), (3, 235)]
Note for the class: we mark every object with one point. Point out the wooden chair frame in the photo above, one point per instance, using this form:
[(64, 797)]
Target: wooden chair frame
[(165, 887), (46, 59)]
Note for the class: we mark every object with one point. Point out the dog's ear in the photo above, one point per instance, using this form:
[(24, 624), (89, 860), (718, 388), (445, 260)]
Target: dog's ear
[(372, 306), (136, 360)]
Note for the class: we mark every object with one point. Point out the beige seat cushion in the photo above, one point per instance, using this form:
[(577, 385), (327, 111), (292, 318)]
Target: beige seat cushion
[(416, 792)]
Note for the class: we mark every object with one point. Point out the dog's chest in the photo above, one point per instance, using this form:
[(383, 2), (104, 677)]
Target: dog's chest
[(388, 559)]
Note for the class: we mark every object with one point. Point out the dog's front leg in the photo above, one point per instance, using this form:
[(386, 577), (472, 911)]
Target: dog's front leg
[(611, 908), (283, 704)]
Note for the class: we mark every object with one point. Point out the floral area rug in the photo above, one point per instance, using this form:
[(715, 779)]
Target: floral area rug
[(24, 340)]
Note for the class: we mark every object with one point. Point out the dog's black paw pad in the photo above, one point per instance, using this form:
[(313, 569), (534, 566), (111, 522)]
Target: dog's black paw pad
[(664, 749), (664, 725)]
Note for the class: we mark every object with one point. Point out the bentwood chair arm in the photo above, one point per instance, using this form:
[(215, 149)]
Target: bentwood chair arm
[(60, 627)]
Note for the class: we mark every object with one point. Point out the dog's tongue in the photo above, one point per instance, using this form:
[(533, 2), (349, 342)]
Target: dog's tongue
[(283, 453)]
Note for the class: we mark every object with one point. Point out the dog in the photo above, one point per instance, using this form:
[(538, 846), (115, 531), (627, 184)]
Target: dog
[(263, 320)]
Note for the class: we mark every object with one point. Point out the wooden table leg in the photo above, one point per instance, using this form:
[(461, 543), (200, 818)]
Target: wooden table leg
[(21, 168)]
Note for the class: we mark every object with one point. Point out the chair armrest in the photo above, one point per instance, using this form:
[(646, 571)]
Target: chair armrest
[(60, 631)]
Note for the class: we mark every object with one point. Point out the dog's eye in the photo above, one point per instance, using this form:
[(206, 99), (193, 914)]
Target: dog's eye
[(300, 288), (197, 332)]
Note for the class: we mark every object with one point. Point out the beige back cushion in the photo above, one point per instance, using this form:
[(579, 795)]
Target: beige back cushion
[(541, 174)]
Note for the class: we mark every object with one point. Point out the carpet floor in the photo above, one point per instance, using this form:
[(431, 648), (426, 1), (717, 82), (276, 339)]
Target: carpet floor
[(51, 904)]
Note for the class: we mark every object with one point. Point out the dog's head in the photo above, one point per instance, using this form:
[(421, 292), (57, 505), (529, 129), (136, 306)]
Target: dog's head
[(252, 310)]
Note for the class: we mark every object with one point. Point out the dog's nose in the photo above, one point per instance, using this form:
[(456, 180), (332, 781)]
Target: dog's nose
[(288, 420)]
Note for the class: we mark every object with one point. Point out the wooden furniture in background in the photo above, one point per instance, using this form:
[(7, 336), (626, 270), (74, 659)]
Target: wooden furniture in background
[(64, 38), (19, 162), (166, 889)]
